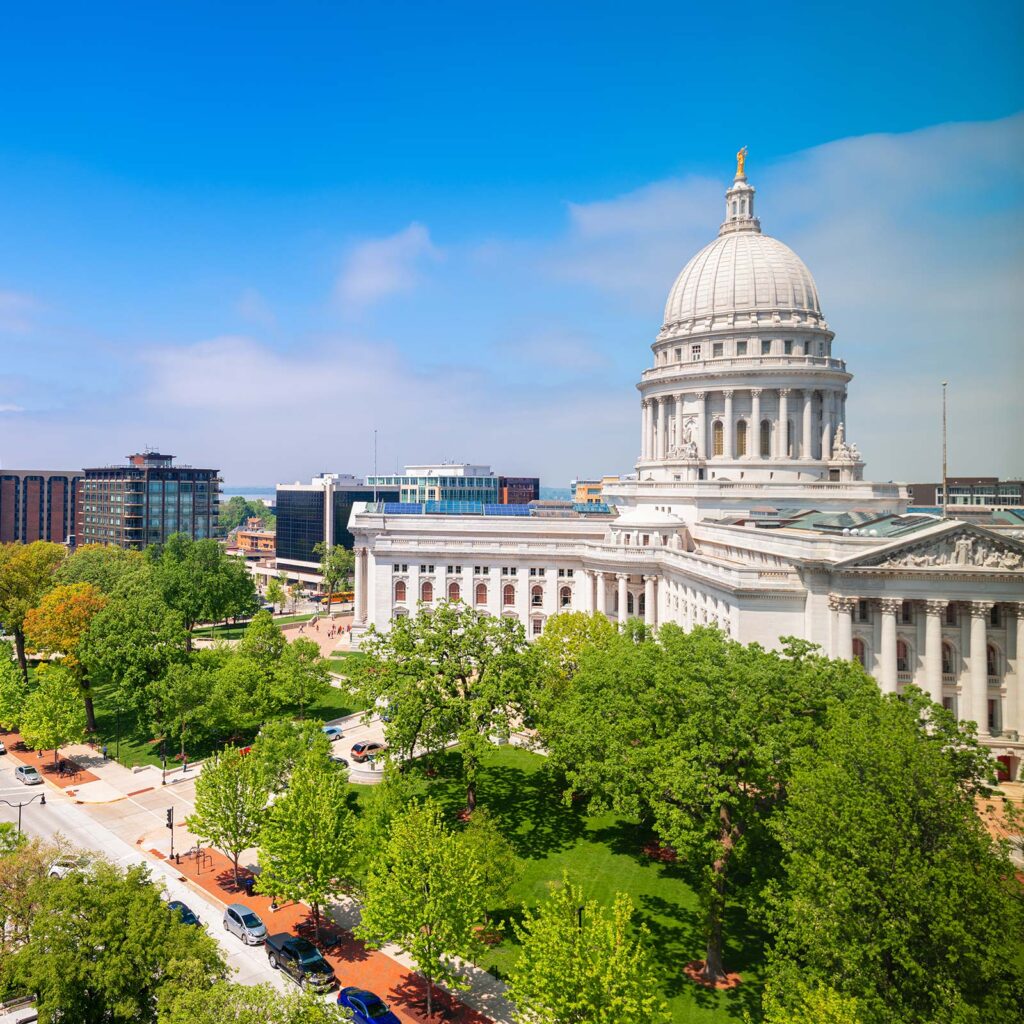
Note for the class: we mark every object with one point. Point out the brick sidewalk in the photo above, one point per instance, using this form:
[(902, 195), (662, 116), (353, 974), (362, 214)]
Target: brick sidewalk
[(44, 762), (354, 964)]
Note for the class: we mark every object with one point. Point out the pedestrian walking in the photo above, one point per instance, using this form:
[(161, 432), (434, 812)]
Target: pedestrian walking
[(105, 752), (184, 765)]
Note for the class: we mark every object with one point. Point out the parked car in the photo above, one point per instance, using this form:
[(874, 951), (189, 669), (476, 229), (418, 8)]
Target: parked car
[(27, 774), (332, 732), (3, 749), (63, 866), (184, 911), (301, 961), (337, 759), (366, 749), (366, 1007), (240, 921)]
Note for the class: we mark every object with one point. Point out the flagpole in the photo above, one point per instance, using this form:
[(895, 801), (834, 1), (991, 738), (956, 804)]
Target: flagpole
[(945, 486)]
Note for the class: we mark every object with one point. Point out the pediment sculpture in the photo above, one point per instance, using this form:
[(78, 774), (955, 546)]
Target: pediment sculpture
[(960, 549), (843, 450), (688, 449)]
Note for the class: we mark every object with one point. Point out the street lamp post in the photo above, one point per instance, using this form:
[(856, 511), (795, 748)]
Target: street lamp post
[(41, 797)]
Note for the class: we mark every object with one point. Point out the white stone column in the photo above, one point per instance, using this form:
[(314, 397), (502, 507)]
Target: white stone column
[(702, 425), (754, 433), (934, 610), (782, 434), (602, 593), (729, 446), (645, 428), (842, 410), (360, 560), (977, 666), (1015, 656), (677, 434), (887, 668), (650, 601), (662, 428), (843, 608), (623, 593), (826, 424), (806, 440)]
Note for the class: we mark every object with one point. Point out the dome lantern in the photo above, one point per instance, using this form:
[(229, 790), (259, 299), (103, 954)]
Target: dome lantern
[(739, 201)]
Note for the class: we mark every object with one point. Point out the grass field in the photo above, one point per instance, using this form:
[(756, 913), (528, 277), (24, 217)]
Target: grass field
[(235, 630), (605, 855)]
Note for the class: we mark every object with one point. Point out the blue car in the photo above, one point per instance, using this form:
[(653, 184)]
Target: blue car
[(182, 909), (332, 732), (366, 1007)]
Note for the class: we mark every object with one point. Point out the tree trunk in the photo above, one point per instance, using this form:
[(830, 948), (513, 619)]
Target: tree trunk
[(19, 647), (714, 968), (234, 861), (316, 922), (471, 797), (430, 997), (90, 712)]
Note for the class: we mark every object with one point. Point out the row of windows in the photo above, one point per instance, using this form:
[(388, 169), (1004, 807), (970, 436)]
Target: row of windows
[(951, 665), (454, 570), (744, 347), (862, 613), (508, 594)]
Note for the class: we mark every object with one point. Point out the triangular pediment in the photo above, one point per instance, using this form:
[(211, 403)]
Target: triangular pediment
[(951, 547)]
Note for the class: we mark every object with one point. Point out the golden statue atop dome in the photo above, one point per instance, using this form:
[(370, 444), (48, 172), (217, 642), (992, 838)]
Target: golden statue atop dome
[(741, 159)]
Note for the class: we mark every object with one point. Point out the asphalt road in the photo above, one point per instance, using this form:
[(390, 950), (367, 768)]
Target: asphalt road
[(60, 815)]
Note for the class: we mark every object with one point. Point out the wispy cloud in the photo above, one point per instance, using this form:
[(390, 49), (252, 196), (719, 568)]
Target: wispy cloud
[(380, 267), (8, 407)]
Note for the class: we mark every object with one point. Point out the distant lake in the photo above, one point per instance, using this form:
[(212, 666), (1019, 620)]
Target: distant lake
[(265, 493)]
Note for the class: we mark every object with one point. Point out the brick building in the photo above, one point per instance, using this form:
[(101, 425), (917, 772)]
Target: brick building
[(38, 504)]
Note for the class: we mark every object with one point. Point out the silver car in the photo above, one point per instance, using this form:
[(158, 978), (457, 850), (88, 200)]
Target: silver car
[(27, 774), (241, 921)]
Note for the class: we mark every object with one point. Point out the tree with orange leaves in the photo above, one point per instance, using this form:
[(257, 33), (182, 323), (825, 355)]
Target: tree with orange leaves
[(57, 626)]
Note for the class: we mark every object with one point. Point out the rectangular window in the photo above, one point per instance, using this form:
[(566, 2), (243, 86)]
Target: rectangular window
[(863, 611), (766, 347), (679, 355), (717, 349), (568, 572), (538, 627), (513, 571), (504, 570), (695, 351), (787, 347), (741, 348)]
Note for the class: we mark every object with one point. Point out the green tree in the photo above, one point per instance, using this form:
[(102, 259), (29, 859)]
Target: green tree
[(893, 893), (387, 800), (102, 947), (53, 714), (424, 894), (202, 582), (276, 593), (133, 640), (231, 804), (294, 593), (448, 675), (305, 846), (302, 676), (179, 702), (580, 964), (249, 1004), (696, 733), (337, 563), (25, 865), (806, 1005), (13, 689), (236, 510), (565, 639), (27, 572), (241, 696), (494, 856), (263, 641), (58, 626), (105, 566), (281, 744)]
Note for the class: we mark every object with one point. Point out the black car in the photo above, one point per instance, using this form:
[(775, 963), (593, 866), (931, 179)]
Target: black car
[(301, 961), (184, 912)]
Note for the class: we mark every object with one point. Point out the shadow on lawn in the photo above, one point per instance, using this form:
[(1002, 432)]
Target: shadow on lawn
[(677, 937), (527, 806)]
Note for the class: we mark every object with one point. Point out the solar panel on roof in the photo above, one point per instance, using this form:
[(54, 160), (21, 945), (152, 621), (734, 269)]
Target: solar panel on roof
[(507, 510), (453, 508), (402, 508)]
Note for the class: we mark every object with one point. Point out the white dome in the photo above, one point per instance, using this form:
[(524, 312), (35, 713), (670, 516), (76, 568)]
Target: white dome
[(650, 518), (743, 272)]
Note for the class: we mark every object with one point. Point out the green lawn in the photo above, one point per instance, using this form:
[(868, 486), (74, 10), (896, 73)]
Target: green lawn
[(137, 746), (605, 855)]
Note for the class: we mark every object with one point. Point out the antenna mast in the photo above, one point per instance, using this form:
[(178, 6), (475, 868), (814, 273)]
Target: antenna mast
[(945, 487), (375, 466)]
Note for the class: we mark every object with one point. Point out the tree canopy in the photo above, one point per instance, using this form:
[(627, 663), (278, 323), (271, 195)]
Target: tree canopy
[(53, 714), (27, 572), (236, 510)]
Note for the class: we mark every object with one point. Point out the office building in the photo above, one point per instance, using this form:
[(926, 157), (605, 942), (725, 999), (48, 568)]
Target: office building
[(967, 491), (38, 504), (146, 501), (459, 481)]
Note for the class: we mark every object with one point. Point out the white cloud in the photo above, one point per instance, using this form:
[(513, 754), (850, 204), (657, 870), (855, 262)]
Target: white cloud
[(16, 311), (8, 407), (384, 266)]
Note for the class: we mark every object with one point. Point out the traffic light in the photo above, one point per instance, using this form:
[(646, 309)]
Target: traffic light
[(170, 817)]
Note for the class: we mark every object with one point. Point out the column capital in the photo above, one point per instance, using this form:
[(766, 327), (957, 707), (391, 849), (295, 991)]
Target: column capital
[(936, 607), (980, 609), (650, 579), (756, 392), (841, 603), (622, 576), (785, 392), (890, 605), (700, 395), (728, 392)]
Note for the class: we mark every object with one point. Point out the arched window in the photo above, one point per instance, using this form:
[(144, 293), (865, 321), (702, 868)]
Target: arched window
[(508, 595), (902, 657), (991, 661), (537, 596), (427, 592), (400, 590), (564, 597), (766, 439), (741, 437), (481, 593), (454, 592), (947, 660), (858, 651), (717, 438)]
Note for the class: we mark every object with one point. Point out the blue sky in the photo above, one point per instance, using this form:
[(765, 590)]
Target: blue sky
[(250, 234)]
